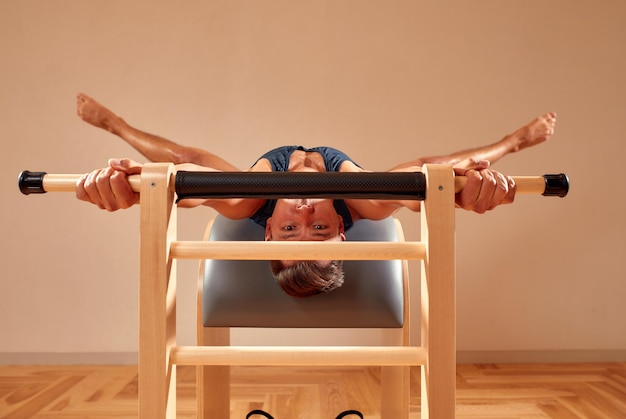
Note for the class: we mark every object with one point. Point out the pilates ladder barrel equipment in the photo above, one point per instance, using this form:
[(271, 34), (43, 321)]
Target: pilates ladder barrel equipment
[(159, 186)]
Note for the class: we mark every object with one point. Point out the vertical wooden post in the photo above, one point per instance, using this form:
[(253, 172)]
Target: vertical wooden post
[(439, 294), (157, 294), (213, 381), (396, 387), (396, 381)]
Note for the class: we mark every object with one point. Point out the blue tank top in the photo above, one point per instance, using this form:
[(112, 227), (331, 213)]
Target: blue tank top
[(279, 159)]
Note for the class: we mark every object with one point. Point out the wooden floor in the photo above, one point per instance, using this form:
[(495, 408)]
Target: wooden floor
[(483, 391)]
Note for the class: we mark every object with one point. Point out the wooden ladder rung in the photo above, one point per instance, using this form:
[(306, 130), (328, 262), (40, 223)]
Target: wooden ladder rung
[(255, 250), (299, 355)]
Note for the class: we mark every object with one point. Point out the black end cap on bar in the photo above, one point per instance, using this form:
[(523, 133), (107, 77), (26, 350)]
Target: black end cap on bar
[(31, 182), (556, 185)]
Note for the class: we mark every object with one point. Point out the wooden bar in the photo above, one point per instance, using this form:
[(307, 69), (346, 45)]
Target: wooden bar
[(309, 250), (58, 182), (157, 294), (298, 355), (396, 380), (525, 184), (438, 295)]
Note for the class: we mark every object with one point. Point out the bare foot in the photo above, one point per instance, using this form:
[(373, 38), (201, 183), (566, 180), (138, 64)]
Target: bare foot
[(536, 132), (94, 113)]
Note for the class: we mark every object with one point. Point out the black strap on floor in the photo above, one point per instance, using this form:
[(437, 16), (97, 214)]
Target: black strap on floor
[(268, 416), (350, 412), (259, 412)]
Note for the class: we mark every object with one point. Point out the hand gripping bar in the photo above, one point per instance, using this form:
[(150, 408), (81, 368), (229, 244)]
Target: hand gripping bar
[(271, 185)]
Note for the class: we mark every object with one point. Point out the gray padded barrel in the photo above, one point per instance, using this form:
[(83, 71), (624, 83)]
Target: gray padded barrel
[(245, 294)]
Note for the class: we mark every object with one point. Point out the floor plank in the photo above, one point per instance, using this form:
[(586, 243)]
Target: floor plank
[(483, 391)]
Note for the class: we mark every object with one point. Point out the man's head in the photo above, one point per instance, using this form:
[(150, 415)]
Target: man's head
[(306, 220), (305, 278)]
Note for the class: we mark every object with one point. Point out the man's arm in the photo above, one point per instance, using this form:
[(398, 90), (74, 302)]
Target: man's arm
[(485, 189), (109, 189)]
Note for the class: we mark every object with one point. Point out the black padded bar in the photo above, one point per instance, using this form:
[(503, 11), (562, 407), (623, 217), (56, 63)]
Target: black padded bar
[(274, 185)]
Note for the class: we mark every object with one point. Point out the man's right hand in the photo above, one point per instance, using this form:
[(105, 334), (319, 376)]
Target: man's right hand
[(108, 188)]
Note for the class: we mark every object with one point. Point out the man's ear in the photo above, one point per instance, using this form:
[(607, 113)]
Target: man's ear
[(268, 230), (341, 228)]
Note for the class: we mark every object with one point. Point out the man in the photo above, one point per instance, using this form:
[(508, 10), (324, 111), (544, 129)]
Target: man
[(299, 219)]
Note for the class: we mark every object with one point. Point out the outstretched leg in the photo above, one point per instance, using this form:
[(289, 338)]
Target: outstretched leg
[(97, 115), (535, 132), (153, 147)]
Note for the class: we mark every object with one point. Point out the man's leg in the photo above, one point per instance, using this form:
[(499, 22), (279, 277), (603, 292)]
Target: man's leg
[(153, 147)]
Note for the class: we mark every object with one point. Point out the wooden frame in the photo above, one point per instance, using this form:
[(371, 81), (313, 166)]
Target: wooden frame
[(215, 380), (159, 355)]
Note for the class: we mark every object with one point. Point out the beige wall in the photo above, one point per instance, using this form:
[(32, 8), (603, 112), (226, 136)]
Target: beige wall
[(385, 81)]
